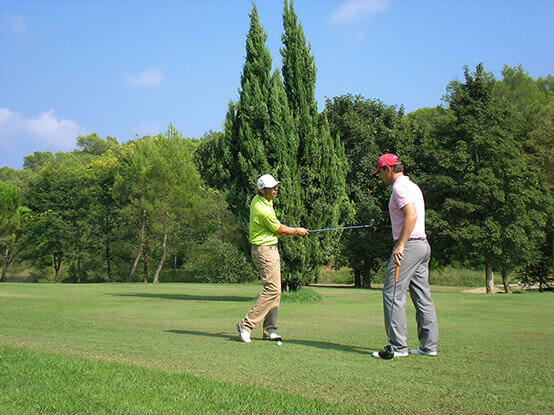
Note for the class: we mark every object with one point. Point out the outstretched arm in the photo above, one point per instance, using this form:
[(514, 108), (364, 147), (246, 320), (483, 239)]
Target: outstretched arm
[(286, 230)]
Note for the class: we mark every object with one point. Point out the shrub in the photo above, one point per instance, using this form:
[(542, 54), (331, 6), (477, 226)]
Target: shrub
[(302, 295), (218, 261)]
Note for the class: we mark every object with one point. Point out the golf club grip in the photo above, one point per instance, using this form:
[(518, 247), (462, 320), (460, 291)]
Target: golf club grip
[(396, 273)]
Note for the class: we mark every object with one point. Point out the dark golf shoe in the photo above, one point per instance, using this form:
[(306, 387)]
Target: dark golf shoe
[(388, 353)]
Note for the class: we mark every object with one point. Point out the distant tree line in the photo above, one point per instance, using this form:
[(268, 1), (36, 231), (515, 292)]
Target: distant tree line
[(169, 208)]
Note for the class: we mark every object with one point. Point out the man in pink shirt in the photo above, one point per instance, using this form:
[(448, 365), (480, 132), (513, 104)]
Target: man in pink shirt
[(411, 255)]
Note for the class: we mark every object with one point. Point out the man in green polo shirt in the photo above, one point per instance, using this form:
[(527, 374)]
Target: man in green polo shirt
[(263, 232)]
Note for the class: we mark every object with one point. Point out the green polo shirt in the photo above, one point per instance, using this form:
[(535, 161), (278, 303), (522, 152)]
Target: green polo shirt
[(263, 226)]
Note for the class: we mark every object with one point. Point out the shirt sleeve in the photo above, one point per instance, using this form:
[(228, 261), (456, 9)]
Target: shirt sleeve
[(403, 196), (271, 222)]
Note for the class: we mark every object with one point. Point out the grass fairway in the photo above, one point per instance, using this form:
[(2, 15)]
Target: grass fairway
[(172, 348)]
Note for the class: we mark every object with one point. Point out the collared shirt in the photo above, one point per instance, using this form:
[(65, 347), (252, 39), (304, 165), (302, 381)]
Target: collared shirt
[(404, 192), (262, 229)]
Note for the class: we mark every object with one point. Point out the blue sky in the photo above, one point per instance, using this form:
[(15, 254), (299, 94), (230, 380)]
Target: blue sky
[(82, 66)]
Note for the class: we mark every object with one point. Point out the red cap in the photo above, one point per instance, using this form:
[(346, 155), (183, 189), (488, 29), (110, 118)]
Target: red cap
[(386, 160)]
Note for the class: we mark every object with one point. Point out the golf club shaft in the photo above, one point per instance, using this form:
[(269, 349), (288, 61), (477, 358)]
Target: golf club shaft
[(342, 228)]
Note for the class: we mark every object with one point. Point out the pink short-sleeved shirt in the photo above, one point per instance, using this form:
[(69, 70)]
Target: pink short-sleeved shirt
[(404, 192)]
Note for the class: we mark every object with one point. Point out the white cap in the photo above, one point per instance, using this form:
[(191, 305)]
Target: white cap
[(267, 180)]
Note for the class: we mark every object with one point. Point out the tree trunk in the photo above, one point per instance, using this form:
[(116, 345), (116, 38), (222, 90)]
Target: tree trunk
[(507, 288), (357, 279), (160, 265), (139, 253), (78, 270), (108, 260), (489, 277), (174, 267), (366, 275), (57, 264), (8, 258), (145, 267)]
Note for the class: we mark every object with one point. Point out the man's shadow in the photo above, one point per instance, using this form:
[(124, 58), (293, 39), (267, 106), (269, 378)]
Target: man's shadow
[(188, 297), (318, 344)]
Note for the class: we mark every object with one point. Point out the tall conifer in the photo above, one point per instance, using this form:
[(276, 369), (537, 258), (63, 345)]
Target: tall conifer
[(247, 123), (275, 128), (321, 161)]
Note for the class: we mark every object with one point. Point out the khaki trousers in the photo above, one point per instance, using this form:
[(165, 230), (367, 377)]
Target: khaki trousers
[(267, 261)]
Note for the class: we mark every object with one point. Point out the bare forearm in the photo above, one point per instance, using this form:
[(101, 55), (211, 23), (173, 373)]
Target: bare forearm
[(407, 228), (410, 216), (287, 230)]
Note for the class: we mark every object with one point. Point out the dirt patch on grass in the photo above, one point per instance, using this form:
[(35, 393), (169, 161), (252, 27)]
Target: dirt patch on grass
[(496, 289)]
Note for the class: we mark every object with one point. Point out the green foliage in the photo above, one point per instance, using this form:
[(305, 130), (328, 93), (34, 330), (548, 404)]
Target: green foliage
[(218, 261), (275, 128), (540, 271), (319, 162), (36, 160), (456, 277), (57, 229), (15, 177), (10, 200), (12, 217), (159, 187), (542, 140), (485, 200), (301, 295), (369, 128), (95, 145)]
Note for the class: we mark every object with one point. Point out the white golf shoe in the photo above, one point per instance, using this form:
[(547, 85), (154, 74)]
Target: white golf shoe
[(244, 334), (422, 352)]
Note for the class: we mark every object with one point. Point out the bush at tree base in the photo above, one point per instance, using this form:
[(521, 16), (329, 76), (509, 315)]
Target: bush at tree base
[(218, 261)]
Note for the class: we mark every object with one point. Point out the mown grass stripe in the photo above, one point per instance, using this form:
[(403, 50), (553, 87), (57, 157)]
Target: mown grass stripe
[(34, 382)]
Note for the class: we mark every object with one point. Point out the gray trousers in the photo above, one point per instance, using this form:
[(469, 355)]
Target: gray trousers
[(413, 274)]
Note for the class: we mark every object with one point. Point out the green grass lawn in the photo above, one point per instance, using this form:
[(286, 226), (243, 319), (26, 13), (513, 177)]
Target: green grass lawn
[(172, 348)]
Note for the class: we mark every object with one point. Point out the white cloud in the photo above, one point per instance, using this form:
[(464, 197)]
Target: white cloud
[(150, 78), (351, 10), (14, 22), (44, 132)]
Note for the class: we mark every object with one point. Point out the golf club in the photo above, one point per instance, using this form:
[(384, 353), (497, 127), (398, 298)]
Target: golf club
[(342, 228), (388, 353)]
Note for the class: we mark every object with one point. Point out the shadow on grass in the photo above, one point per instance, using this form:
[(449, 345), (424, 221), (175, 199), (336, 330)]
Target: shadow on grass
[(309, 343), (188, 297)]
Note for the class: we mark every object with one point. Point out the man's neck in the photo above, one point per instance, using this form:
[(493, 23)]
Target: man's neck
[(396, 176)]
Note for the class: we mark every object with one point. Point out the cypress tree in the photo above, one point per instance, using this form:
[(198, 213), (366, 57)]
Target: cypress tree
[(282, 153), (275, 128), (247, 124), (321, 161)]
